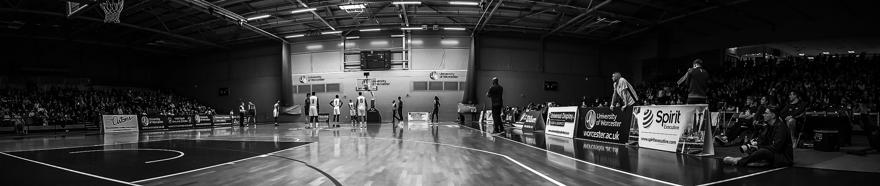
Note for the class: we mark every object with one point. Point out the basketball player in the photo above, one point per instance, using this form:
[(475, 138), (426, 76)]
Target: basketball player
[(336, 104), (313, 110), (352, 113), (275, 111), (393, 112), (241, 113), (306, 112), (252, 113), (434, 117), (362, 110), (399, 109)]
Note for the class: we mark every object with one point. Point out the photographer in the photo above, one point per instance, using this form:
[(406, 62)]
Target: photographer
[(772, 146)]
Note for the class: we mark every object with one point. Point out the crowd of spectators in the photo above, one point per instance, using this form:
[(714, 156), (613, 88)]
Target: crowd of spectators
[(827, 82), (67, 105)]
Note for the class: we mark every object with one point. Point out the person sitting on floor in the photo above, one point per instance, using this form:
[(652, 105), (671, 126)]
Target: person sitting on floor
[(772, 147)]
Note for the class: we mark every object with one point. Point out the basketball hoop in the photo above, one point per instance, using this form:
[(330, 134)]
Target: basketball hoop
[(112, 10)]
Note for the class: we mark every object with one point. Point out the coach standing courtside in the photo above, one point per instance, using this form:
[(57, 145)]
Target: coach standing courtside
[(495, 93), (623, 92), (698, 78)]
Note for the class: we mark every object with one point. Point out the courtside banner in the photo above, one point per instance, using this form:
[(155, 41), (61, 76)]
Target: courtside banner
[(180, 122), (222, 120), (202, 121), (561, 121), (119, 123), (661, 127), (604, 124), (531, 120), (417, 116), (152, 123)]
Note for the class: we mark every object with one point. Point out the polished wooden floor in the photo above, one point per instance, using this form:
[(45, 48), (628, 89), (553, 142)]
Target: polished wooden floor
[(381, 154)]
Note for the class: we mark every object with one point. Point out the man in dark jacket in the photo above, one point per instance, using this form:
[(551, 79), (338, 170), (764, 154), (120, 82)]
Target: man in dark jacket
[(495, 94), (772, 147)]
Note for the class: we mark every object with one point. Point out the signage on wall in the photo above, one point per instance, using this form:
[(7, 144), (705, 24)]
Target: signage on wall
[(306, 79), (442, 75), (382, 82)]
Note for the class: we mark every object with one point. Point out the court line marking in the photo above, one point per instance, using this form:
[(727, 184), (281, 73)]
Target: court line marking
[(582, 161), (69, 170), (489, 152), (70, 147), (743, 176), (455, 146), (181, 154), (212, 166)]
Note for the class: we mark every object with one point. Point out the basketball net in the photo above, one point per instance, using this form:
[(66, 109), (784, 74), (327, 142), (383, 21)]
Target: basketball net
[(112, 10)]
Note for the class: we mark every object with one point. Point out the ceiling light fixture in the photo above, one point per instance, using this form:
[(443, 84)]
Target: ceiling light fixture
[(471, 3), (407, 3), (303, 10), (257, 17), (352, 7)]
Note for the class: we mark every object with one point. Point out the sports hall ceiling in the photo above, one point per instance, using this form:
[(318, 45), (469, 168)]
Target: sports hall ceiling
[(174, 25)]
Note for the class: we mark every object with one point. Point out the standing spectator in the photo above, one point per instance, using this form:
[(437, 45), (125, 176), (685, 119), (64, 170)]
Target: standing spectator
[(698, 77), (495, 94)]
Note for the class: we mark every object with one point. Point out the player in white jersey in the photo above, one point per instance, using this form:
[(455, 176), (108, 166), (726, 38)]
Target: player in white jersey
[(275, 109), (352, 113), (313, 110), (335, 103), (362, 109)]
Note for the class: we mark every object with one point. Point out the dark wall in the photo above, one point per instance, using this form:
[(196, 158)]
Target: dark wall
[(102, 65), (523, 65), (251, 73)]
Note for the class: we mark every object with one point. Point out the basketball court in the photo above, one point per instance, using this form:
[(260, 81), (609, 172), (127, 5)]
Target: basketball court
[(427, 58), (415, 154)]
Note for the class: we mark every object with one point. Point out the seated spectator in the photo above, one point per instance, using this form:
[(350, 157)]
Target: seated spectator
[(772, 147)]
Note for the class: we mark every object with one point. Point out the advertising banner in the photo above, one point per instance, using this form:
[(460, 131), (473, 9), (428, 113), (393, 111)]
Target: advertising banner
[(531, 120), (604, 124), (486, 117), (202, 121), (561, 121), (119, 123), (223, 120), (152, 123), (418, 116), (180, 122), (663, 127)]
